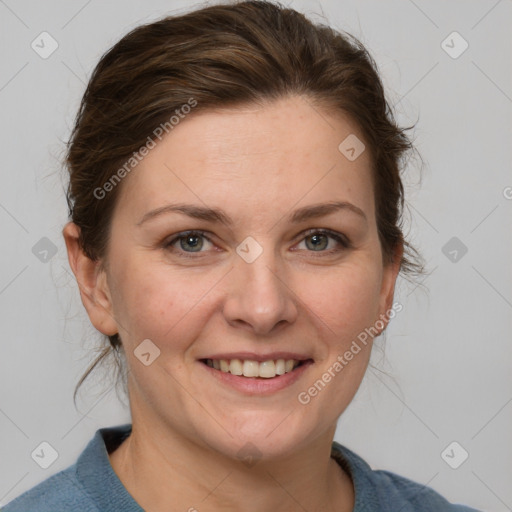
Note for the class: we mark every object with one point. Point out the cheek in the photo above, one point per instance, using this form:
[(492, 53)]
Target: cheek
[(153, 302), (346, 301), (145, 305)]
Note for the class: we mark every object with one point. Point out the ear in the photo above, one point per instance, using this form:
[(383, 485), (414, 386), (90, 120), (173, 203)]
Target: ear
[(389, 276), (92, 282)]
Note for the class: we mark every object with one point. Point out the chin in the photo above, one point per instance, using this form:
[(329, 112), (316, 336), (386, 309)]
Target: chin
[(262, 435)]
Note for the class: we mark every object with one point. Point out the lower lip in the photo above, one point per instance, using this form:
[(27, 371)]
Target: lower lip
[(258, 385)]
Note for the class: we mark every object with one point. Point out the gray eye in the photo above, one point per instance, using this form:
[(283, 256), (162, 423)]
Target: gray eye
[(192, 242), (318, 241)]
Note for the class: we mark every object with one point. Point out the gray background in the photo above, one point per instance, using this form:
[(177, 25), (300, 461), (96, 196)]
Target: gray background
[(448, 353)]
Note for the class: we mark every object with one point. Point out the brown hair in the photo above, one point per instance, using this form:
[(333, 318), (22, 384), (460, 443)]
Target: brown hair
[(227, 55)]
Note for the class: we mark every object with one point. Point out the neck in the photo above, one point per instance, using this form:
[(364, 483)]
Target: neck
[(163, 471)]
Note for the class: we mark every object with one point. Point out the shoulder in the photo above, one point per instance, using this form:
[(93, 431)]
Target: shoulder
[(58, 493), (392, 487), (385, 491), (90, 485)]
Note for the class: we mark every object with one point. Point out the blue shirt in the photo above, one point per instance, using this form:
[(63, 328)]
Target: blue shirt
[(91, 485)]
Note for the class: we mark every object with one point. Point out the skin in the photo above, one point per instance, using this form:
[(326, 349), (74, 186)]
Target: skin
[(258, 164)]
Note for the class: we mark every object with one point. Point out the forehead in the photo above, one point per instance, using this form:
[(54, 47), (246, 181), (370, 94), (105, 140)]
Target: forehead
[(272, 156)]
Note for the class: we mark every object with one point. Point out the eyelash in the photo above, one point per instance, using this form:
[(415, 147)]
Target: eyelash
[(341, 239)]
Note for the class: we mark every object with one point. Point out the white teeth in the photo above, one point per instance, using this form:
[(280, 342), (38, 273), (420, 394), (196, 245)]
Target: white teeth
[(249, 368), (267, 369), (235, 367)]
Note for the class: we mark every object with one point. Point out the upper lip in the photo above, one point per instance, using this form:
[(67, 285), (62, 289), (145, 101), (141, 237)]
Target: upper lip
[(259, 357)]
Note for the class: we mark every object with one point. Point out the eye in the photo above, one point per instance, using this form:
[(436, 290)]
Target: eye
[(314, 240), (324, 240), (189, 242)]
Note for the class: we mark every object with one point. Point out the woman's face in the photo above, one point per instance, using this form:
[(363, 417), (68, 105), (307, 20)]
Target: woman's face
[(257, 280)]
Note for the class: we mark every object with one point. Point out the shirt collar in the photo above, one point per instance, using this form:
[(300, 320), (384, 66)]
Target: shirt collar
[(98, 478)]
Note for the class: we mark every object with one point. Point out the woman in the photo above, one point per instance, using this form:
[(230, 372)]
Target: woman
[(235, 203)]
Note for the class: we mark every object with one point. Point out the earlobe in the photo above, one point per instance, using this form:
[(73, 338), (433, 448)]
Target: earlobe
[(92, 282)]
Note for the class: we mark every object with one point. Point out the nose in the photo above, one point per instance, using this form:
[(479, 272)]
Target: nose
[(258, 297)]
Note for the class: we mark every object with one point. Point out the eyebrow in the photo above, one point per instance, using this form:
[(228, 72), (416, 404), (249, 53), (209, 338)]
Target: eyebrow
[(218, 215)]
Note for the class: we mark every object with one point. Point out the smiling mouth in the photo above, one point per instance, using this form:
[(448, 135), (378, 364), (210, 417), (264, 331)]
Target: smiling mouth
[(255, 369)]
